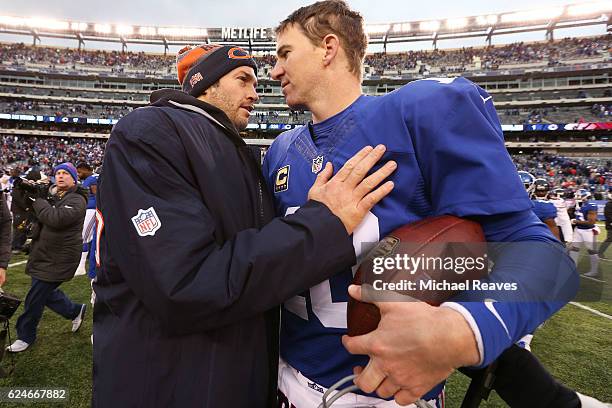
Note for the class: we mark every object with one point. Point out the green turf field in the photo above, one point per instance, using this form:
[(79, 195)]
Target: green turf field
[(575, 345)]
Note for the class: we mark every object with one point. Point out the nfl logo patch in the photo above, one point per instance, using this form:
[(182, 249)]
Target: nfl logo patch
[(146, 222), (317, 164)]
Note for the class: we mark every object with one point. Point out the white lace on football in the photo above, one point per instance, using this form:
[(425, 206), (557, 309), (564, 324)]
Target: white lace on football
[(334, 388)]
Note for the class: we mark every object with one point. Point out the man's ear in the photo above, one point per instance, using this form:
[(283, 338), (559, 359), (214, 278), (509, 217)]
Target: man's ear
[(331, 44)]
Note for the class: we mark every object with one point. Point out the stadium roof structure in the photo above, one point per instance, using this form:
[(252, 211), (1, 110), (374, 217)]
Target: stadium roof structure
[(262, 38)]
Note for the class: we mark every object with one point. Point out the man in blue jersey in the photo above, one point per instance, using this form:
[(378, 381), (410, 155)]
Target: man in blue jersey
[(89, 180), (543, 209), (446, 138), (586, 231)]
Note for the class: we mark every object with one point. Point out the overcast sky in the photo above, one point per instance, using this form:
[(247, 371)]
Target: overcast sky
[(247, 13)]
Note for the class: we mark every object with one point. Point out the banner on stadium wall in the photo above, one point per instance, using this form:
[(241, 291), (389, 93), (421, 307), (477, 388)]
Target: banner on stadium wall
[(554, 127), (58, 119)]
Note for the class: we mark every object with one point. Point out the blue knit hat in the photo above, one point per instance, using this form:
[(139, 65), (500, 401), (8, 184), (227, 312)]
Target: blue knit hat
[(69, 167)]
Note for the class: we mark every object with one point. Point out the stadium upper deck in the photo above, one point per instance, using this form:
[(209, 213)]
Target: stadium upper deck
[(537, 86), (262, 38), (567, 52)]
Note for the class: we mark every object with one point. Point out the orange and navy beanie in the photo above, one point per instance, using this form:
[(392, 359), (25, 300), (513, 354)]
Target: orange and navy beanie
[(201, 66)]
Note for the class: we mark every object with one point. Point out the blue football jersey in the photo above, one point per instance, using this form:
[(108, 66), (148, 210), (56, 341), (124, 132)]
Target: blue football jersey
[(544, 210), (88, 182), (583, 214), (447, 140)]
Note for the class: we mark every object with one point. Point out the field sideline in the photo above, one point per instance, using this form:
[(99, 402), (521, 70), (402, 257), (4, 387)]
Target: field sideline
[(575, 345)]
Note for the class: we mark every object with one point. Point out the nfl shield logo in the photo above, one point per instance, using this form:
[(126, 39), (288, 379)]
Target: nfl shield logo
[(317, 164), (146, 222)]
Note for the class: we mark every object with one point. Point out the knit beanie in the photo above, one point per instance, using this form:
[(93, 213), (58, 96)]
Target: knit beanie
[(201, 66), (69, 167)]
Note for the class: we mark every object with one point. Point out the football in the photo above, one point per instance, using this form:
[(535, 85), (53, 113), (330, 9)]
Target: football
[(443, 237)]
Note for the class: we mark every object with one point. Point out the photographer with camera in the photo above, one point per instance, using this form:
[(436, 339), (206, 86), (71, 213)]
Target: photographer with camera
[(56, 251), (20, 210)]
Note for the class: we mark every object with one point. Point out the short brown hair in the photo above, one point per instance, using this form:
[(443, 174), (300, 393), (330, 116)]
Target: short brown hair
[(332, 17)]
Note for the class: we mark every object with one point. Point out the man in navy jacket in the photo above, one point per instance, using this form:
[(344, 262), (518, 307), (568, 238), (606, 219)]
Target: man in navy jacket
[(192, 265)]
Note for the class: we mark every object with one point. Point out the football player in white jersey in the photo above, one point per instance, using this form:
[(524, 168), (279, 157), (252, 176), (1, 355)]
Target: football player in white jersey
[(562, 220)]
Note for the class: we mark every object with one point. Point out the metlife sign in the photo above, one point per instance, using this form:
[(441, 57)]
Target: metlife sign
[(244, 33)]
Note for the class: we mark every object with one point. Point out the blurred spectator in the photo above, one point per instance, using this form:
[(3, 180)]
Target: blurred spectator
[(5, 237)]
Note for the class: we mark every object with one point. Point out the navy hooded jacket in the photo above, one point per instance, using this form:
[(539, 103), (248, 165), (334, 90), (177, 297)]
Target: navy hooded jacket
[(192, 264)]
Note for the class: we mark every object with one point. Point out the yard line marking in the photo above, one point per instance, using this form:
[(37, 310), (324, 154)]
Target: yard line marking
[(597, 312), (17, 263), (591, 278)]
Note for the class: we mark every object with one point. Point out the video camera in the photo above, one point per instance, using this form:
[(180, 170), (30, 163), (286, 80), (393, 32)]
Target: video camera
[(34, 189)]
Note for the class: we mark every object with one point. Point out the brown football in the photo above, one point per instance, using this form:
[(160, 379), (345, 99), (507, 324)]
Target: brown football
[(428, 237)]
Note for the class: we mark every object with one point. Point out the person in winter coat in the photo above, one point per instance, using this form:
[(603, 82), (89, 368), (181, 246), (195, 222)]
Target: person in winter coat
[(55, 254)]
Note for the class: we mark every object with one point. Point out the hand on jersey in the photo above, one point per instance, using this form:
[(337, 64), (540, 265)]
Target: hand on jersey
[(415, 347), (350, 194)]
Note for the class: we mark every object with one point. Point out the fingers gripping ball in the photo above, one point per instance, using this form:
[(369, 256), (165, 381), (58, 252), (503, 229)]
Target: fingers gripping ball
[(440, 237)]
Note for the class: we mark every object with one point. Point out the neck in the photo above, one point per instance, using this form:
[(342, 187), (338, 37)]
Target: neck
[(344, 96)]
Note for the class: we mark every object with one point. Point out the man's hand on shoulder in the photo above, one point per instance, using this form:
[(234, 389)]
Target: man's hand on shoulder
[(350, 194)]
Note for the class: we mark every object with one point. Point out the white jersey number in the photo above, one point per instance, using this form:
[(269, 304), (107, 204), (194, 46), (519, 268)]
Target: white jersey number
[(330, 313)]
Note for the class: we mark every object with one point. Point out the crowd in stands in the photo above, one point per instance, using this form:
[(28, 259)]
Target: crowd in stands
[(19, 53), (64, 109), (492, 57), (54, 127), (569, 173), (46, 152), (456, 60), (555, 114)]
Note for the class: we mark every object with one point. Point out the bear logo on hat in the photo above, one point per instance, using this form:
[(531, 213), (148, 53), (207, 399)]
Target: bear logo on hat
[(195, 78)]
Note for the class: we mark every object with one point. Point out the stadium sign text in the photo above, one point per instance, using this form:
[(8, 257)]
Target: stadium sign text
[(240, 33)]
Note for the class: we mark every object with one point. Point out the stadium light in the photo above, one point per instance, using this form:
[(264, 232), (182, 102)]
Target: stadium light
[(182, 32), (456, 23), (78, 26), (433, 25), (532, 15), (47, 23), (147, 31), (588, 8), (12, 21), (124, 29), (377, 28), (401, 27), (487, 20), (102, 28)]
